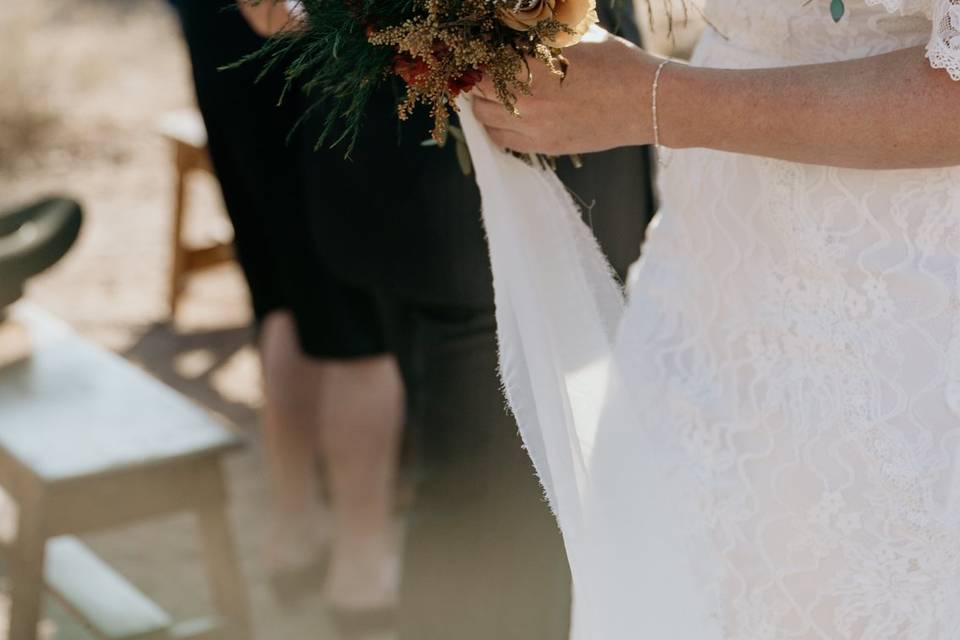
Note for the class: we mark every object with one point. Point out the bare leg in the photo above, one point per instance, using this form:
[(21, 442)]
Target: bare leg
[(362, 414), (290, 421), (352, 410)]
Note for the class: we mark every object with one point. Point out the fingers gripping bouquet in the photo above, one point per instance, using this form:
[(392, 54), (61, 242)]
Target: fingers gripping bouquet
[(343, 50)]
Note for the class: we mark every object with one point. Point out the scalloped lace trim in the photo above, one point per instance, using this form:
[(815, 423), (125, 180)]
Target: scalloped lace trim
[(944, 48)]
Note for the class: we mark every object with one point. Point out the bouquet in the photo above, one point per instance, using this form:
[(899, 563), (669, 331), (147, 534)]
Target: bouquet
[(343, 50)]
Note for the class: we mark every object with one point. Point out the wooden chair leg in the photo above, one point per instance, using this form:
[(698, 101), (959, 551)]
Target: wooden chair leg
[(177, 253), (223, 567), (26, 572)]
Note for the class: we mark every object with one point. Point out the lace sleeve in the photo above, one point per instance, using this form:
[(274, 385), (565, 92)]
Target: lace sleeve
[(944, 48)]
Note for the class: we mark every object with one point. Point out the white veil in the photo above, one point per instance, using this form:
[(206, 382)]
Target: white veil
[(558, 307)]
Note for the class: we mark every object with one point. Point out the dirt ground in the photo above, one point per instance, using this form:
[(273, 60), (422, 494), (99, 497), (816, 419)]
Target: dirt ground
[(82, 86)]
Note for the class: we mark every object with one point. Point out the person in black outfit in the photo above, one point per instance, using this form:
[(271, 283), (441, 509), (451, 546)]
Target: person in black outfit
[(384, 253), (330, 384)]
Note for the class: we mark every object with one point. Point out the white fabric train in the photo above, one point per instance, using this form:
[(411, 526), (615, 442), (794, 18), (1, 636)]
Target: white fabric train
[(558, 308)]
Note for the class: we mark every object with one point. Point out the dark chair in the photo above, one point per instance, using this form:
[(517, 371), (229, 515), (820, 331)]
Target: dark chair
[(32, 239)]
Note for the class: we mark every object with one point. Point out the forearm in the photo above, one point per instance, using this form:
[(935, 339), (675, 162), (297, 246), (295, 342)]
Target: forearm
[(884, 112)]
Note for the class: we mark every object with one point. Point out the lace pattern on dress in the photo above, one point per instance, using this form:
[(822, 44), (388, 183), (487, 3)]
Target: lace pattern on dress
[(944, 48)]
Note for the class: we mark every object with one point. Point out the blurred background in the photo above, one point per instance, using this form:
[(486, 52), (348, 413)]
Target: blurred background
[(84, 88), (92, 100)]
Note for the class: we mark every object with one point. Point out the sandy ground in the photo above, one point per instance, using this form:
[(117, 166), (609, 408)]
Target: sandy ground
[(82, 85)]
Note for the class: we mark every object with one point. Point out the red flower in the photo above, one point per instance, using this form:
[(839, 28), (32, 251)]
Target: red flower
[(414, 70), (411, 69), (465, 82)]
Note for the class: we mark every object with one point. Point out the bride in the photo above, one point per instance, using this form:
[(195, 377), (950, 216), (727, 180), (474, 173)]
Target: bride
[(764, 444)]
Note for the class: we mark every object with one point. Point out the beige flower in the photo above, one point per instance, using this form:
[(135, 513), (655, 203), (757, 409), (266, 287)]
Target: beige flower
[(578, 15)]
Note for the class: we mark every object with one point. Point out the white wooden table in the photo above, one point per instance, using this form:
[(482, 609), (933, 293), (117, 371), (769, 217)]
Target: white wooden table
[(88, 441)]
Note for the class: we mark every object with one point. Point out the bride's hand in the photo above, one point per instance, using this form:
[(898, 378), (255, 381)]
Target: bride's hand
[(604, 102)]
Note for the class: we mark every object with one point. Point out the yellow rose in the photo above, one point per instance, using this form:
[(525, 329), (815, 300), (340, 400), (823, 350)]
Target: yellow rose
[(578, 15)]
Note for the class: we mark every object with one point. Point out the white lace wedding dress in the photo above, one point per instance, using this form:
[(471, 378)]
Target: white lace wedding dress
[(764, 444)]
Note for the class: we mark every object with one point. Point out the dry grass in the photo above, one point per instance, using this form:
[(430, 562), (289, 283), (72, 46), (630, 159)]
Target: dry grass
[(78, 77), (24, 116)]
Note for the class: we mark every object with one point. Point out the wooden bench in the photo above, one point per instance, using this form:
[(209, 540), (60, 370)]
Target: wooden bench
[(88, 442)]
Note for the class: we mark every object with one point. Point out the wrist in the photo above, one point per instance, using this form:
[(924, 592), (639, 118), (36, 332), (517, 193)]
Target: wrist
[(639, 100), (681, 117)]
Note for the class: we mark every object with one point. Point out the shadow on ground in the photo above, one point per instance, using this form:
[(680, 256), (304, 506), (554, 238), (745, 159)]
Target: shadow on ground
[(189, 362)]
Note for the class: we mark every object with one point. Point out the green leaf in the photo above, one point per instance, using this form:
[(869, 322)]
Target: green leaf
[(463, 158), (837, 10)]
